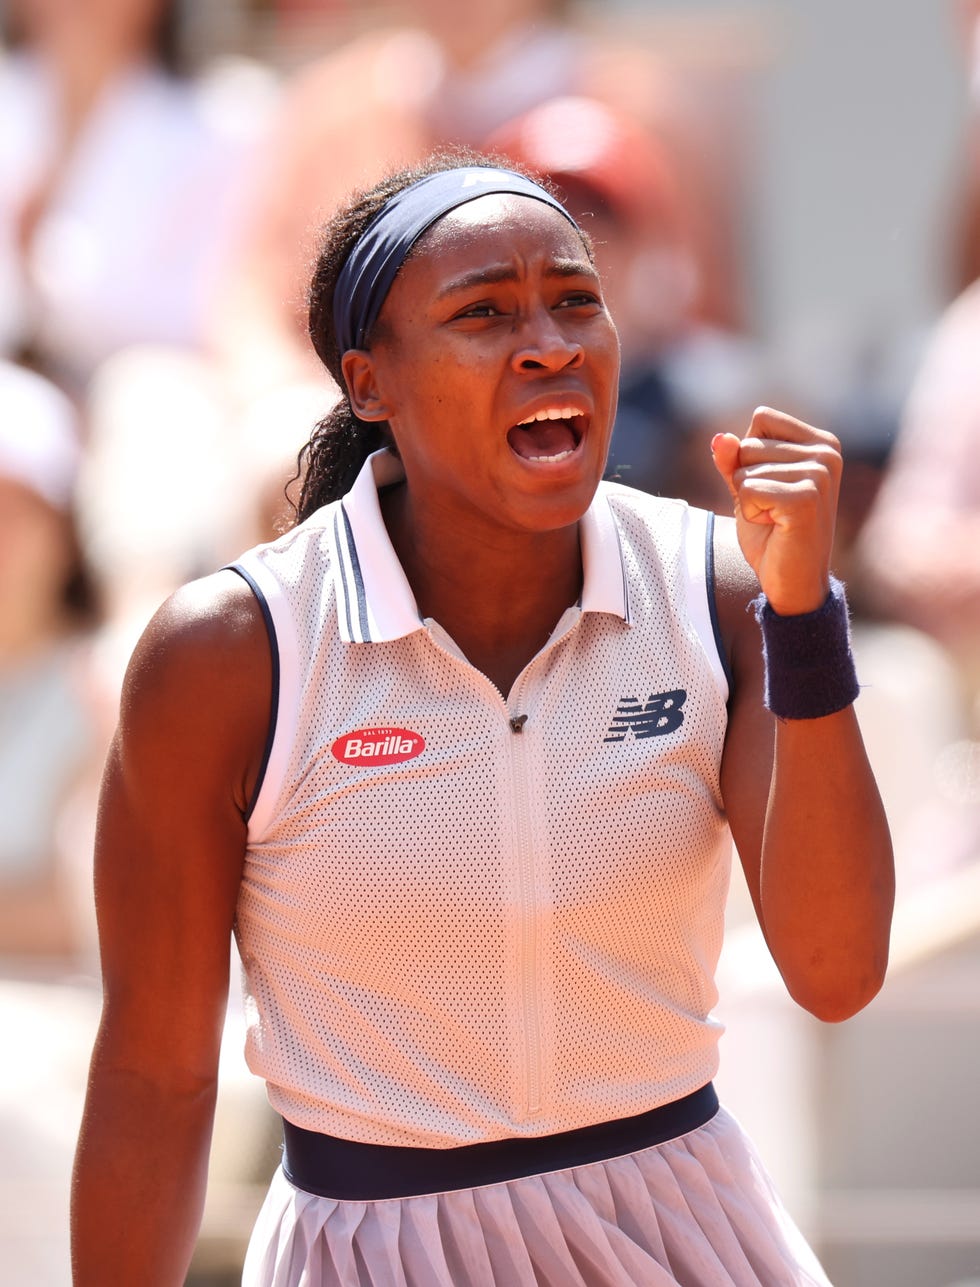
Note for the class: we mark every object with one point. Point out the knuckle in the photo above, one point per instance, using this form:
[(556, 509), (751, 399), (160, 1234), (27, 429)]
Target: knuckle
[(828, 444)]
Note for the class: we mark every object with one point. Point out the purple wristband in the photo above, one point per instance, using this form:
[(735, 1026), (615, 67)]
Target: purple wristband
[(809, 666)]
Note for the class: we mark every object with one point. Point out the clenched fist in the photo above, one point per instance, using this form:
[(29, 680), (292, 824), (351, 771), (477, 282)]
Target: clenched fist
[(784, 476)]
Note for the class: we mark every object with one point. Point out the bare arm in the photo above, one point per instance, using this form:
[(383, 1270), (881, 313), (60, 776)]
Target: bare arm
[(169, 854), (801, 798)]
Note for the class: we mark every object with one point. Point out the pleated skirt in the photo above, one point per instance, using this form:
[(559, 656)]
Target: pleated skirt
[(699, 1210)]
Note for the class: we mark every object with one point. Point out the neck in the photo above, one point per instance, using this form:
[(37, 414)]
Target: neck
[(498, 593)]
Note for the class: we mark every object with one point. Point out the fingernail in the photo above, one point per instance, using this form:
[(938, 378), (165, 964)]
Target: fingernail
[(715, 441)]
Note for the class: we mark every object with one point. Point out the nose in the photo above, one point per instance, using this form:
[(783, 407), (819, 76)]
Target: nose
[(545, 345)]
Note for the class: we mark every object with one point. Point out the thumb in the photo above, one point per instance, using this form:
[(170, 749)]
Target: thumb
[(724, 452)]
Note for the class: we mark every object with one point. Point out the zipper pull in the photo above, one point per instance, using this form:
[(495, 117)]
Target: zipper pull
[(517, 723)]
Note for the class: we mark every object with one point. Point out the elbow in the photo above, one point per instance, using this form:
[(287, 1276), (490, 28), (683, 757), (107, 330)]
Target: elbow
[(836, 1008), (836, 1000)]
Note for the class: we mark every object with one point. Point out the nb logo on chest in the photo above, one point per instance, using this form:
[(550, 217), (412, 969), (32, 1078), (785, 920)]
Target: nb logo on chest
[(661, 713)]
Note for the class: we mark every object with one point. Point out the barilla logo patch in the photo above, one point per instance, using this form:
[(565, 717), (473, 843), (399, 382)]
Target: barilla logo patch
[(378, 746)]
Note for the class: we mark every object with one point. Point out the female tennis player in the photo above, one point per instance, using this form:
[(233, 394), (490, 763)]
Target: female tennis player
[(458, 759)]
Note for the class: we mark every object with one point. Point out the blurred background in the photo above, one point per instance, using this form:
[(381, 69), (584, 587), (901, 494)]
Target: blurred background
[(785, 200)]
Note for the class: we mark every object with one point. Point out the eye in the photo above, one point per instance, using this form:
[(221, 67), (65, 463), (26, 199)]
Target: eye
[(483, 309), (580, 299)]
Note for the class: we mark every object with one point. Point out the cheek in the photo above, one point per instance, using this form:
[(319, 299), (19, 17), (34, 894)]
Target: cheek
[(451, 381), (606, 359)]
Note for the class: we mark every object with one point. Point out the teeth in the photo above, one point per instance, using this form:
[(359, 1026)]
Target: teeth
[(551, 413), (560, 456)]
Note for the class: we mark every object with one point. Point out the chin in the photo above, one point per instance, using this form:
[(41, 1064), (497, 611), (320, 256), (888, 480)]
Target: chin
[(548, 508)]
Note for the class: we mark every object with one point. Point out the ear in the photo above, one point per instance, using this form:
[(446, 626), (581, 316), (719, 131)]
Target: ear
[(361, 378)]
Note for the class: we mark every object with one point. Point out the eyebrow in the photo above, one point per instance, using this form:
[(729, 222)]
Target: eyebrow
[(508, 273)]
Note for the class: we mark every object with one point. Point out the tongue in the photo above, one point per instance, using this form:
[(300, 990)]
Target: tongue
[(542, 438)]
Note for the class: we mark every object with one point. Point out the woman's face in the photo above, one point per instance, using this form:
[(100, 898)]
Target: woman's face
[(496, 366)]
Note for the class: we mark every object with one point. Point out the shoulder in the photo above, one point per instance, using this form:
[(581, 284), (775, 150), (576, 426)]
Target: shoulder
[(214, 618), (198, 688), (309, 548), (670, 527), (657, 514)]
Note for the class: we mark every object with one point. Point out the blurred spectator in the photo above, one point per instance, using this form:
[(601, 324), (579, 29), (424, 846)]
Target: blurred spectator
[(918, 560), (173, 485), (385, 98), (46, 731), (681, 380), (117, 183), (921, 545), (918, 554)]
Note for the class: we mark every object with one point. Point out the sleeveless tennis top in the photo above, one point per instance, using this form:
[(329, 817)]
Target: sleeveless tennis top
[(467, 915)]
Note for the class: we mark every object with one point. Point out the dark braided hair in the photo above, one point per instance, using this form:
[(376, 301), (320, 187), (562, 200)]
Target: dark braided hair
[(341, 441)]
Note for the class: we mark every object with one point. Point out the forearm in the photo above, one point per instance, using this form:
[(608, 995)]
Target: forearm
[(827, 881), (801, 800), (140, 1178)]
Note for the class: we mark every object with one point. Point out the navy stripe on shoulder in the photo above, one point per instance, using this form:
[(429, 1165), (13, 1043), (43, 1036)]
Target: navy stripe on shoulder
[(274, 711), (343, 577), (358, 578), (709, 569), (622, 567)]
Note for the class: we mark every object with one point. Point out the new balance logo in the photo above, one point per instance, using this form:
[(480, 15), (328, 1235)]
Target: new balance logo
[(660, 713)]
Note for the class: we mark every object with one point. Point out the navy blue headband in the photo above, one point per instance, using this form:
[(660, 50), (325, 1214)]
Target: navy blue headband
[(371, 268)]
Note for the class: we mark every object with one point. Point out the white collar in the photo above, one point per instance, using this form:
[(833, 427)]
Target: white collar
[(375, 601)]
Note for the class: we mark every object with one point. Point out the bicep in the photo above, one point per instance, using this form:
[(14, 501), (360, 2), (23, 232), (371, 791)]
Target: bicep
[(747, 759), (171, 833), (746, 777)]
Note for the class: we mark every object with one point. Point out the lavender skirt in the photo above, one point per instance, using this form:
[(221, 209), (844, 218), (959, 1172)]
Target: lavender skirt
[(699, 1210)]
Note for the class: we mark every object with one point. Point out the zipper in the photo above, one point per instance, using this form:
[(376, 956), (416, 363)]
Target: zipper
[(528, 919), (528, 944)]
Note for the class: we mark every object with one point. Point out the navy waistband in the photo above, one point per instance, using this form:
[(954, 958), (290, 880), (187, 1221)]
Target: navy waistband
[(353, 1172)]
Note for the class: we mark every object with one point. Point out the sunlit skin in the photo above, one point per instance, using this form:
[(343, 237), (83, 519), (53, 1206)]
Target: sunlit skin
[(497, 316)]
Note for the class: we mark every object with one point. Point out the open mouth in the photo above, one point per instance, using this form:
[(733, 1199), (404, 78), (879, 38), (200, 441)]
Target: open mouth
[(549, 436)]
